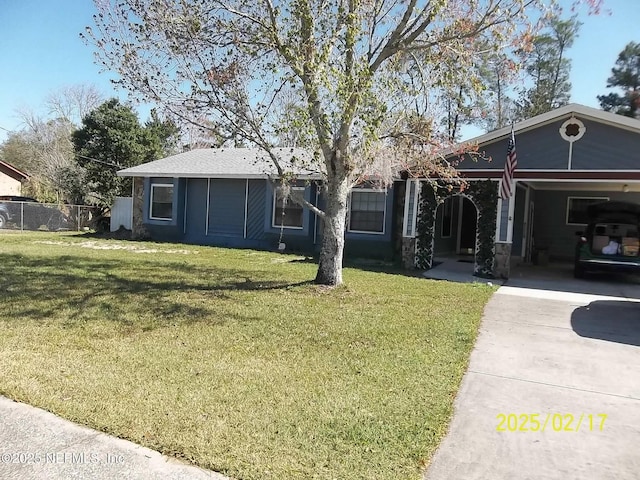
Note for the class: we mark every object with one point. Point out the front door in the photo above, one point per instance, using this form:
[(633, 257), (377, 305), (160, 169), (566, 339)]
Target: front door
[(468, 227)]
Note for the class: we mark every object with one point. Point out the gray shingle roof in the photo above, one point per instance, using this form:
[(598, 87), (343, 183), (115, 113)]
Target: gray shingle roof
[(224, 163)]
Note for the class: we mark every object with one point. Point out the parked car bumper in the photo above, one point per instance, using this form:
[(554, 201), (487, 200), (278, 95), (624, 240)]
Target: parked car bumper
[(609, 265)]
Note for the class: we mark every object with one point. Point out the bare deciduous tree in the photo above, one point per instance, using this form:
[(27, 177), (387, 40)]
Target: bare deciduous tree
[(73, 102), (43, 146), (355, 68)]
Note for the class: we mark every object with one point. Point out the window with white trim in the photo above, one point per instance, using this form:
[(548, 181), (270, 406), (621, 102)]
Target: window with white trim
[(367, 210), (288, 214), (161, 202), (577, 209)]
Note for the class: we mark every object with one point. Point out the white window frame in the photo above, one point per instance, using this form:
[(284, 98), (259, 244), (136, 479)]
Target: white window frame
[(163, 185), (384, 211), (600, 199), (412, 195), (449, 201), (273, 210)]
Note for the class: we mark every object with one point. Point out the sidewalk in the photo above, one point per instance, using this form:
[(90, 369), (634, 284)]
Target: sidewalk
[(36, 445)]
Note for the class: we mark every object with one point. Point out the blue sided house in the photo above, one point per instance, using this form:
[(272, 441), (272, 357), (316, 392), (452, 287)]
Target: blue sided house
[(567, 160), (230, 197)]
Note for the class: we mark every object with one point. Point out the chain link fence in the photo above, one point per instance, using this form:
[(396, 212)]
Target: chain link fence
[(34, 216)]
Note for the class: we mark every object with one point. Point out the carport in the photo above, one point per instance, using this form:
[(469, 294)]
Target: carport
[(567, 159)]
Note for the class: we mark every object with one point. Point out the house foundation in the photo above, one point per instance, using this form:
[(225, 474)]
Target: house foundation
[(409, 252)]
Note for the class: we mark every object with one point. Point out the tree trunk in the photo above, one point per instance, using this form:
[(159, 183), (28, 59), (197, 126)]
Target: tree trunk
[(334, 223)]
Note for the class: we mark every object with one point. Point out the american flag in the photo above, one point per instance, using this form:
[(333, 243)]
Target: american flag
[(506, 184)]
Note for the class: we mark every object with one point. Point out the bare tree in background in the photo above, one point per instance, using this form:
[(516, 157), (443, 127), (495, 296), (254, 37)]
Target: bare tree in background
[(73, 102), (43, 146)]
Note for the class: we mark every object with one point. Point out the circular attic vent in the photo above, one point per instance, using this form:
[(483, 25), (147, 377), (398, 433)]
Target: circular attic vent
[(572, 130)]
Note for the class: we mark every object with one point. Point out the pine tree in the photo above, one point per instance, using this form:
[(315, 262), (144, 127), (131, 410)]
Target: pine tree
[(549, 68), (625, 75)]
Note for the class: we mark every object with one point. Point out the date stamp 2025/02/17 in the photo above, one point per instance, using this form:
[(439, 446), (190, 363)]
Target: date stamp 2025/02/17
[(557, 422)]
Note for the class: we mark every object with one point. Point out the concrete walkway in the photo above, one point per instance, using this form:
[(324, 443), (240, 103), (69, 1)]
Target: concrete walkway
[(455, 269), (550, 347), (36, 445)]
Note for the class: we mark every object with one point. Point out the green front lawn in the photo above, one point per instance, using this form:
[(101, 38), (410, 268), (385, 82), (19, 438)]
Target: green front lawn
[(231, 359)]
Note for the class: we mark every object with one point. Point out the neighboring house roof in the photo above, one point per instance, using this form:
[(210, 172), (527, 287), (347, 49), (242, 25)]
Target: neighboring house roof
[(12, 171), (225, 163), (567, 111)]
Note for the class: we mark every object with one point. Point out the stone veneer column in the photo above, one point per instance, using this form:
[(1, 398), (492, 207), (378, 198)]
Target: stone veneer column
[(502, 261), (408, 252), (138, 230)]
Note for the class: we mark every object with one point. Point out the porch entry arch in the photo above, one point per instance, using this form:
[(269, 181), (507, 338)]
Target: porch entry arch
[(484, 196), (456, 225)]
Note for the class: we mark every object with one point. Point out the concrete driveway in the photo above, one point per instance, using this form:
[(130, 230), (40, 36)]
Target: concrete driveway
[(553, 354)]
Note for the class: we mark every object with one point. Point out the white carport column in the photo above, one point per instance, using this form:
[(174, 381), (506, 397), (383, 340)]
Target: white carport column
[(498, 217), (504, 239), (512, 209)]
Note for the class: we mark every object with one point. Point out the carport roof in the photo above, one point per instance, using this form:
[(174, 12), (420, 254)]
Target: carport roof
[(225, 163)]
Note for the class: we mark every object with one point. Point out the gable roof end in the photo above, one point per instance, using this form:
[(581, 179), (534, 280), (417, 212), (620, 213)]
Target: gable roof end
[(565, 112)]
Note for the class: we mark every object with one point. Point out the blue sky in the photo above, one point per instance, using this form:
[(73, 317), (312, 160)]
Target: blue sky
[(40, 51)]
